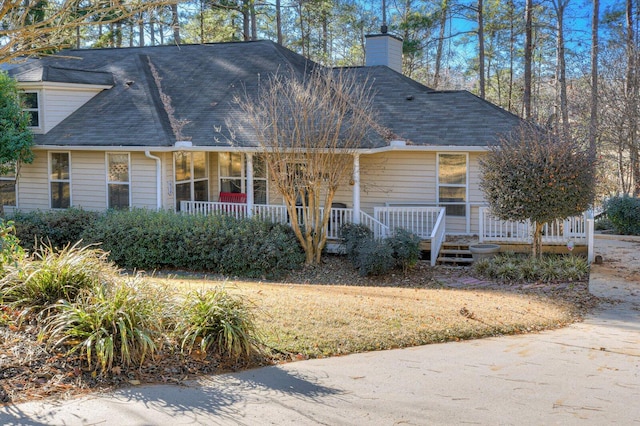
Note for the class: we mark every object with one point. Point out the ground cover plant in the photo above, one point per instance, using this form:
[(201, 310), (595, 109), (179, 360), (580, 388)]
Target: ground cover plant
[(517, 267)]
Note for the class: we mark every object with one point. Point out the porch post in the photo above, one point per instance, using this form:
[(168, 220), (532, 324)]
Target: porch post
[(356, 188), (249, 187)]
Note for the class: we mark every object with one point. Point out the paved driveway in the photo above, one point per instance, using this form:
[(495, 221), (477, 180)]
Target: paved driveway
[(588, 373)]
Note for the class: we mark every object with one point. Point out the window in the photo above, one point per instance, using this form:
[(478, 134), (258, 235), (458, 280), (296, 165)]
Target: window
[(259, 180), (8, 187), (192, 177), (118, 185), (233, 172), (60, 179), (452, 183), (30, 101)]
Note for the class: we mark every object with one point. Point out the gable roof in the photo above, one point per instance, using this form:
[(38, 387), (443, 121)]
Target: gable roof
[(203, 80)]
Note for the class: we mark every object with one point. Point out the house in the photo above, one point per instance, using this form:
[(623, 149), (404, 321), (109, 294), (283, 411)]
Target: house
[(103, 138)]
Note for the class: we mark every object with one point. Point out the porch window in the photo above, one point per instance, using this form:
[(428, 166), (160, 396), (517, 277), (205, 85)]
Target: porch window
[(31, 102), (8, 187), (118, 184), (191, 176), (452, 183), (233, 172), (60, 179), (259, 180)]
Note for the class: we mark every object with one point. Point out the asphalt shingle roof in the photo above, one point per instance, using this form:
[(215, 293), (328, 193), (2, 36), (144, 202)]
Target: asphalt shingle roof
[(203, 80)]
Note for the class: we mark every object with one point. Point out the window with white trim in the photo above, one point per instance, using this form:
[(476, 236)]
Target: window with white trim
[(8, 187), (118, 181), (232, 171), (60, 179), (191, 177), (452, 182), (31, 105)]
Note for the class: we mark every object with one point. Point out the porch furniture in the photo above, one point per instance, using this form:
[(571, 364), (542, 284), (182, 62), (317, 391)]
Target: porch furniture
[(233, 197)]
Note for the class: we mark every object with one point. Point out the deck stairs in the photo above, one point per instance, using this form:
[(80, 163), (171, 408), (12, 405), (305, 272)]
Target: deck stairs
[(455, 253)]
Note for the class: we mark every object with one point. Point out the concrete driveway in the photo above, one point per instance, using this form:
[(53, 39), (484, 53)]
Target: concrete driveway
[(588, 373)]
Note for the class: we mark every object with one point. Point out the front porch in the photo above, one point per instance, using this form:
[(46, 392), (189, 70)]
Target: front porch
[(573, 235)]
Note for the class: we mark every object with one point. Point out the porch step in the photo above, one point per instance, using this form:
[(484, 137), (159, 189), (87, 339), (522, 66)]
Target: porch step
[(454, 254), (454, 260)]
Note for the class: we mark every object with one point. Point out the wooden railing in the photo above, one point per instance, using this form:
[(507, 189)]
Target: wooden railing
[(419, 220), (437, 236), (380, 230), (426, 222), (558, 232)]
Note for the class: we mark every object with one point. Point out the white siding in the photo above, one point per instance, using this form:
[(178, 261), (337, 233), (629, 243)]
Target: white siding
[(143, 181), (33, 184), (399, 177), (88, 180), (58, 104)]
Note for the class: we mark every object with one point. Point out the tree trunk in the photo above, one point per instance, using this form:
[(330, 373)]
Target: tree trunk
[(512, 40), (141, 30), (174, 23), (562, 117), (537, 240), (631, 94), (443, 24), (254, 23), (593, 116), (279, 22), (152, 27), (481, 70), (528, 55)]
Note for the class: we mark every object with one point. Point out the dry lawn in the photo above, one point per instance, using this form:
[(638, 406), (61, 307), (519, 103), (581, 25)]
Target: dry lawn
[(307, 321)]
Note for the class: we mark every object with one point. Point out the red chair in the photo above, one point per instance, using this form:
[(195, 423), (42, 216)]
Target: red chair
[(235, 198)]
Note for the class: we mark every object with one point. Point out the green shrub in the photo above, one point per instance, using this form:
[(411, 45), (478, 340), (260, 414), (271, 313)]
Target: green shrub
[(120, 323), (143, 239), (53, 274), (624, 214), (215, 321), (406, 248), (377, 257), (56, 228), (353, 237), (551, 268)]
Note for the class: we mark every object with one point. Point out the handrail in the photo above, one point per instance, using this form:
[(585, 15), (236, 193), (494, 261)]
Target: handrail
[(437, 236)]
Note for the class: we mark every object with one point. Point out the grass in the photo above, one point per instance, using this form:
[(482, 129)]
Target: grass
[(310, 321)]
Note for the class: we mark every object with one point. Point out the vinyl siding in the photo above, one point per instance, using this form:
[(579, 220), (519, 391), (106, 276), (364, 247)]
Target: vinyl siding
[(33, 184), (88, 180), (143, 181), (397, 177), (58, 104)]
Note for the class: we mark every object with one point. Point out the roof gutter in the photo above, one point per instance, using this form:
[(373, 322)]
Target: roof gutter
[(145, 149), (158, 178)]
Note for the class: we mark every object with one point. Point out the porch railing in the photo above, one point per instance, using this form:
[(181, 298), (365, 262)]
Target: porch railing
[(426, 222), (419, 220), (558, 232)]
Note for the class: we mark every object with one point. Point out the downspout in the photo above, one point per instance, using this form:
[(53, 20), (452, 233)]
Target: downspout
[(158, 179)]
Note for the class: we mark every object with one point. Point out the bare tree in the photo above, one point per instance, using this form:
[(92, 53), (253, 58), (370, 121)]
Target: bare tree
[(528, 58), (309, 129), (593, 115), (20, 35), (562, 109)]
